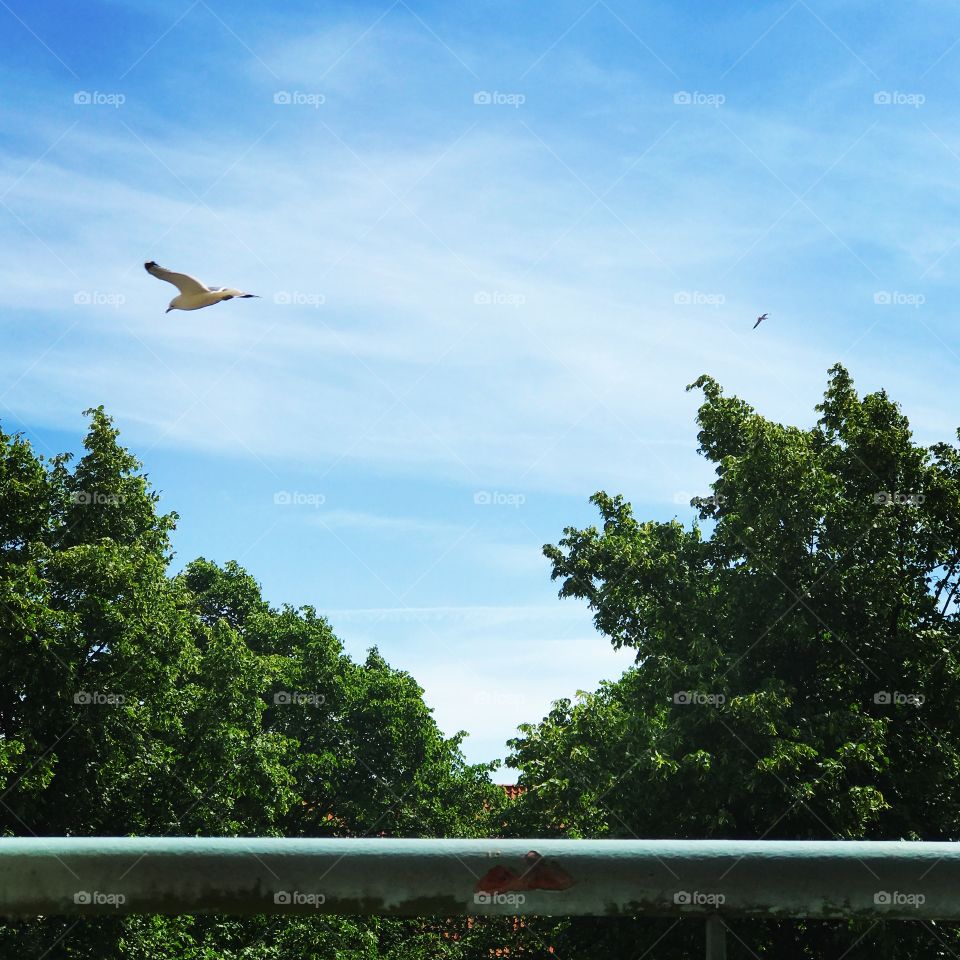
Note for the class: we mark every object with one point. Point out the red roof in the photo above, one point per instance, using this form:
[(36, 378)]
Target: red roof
[(512, 790)]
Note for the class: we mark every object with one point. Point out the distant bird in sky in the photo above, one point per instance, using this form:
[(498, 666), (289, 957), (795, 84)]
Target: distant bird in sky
[(761, 317), (193, 293)]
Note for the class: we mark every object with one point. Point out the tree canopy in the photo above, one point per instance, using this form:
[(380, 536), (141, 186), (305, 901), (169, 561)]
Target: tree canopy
[(134, 701), (796, 677), (797, 661)]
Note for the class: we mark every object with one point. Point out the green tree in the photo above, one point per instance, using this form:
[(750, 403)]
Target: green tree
[(136, 702), (121, 712), (365, 752), (796, 672)]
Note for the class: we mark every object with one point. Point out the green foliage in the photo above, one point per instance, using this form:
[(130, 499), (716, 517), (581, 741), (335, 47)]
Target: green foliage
[(796, 672), (135, 702), (795, 677)]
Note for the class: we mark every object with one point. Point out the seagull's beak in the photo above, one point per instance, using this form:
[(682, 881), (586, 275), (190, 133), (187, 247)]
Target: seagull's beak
[(168, 309)]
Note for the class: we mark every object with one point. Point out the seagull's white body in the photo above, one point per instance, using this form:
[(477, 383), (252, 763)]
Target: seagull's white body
[(193, 294)]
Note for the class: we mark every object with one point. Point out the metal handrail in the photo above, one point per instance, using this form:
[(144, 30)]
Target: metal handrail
[(713, 879)]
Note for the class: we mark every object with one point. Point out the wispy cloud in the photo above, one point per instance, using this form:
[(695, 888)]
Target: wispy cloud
[(511, 662), (401, 340), (355, 520), (490, 259)]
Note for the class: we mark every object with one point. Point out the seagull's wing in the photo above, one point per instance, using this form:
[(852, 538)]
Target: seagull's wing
[(182, 281)]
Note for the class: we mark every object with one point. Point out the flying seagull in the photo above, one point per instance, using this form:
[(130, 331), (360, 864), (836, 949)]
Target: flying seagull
[(761, 317), (193, 293)]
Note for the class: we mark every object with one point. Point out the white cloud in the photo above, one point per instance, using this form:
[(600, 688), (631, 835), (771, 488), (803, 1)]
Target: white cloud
[(488, 669), (486, 322), (398, 366), (359, 520), (577, 385)]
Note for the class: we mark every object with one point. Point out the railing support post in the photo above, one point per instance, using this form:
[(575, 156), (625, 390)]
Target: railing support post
[(716, 938)]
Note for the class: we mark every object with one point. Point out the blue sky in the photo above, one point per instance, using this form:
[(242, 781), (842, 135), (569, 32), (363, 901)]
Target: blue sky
[(494, 242)]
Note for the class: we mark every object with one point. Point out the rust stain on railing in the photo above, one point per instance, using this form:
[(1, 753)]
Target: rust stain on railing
[(540, 874)]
